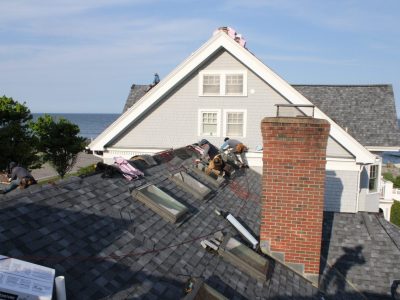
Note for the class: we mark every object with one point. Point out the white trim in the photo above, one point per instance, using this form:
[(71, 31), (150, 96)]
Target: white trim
[(200, 122), (222, 82), (381, 149), (225, 122), (218, 41)]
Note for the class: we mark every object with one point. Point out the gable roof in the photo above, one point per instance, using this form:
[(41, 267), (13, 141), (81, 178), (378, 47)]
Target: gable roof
[(110, 245), (218, 41), (136, 93), (368, 112)]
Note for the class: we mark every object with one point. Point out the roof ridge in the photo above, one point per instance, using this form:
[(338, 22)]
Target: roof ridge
[(344, 85)]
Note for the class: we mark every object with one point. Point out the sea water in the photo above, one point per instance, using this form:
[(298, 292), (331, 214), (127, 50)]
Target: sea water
[(91, 125)]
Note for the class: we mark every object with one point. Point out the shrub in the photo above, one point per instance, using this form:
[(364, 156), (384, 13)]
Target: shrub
[(84, 171), (395, 213)]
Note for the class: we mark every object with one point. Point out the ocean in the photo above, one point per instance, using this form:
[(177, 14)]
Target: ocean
[(91, 125)]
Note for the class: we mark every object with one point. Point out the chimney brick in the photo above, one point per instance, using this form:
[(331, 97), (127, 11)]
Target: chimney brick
[(294, 159)]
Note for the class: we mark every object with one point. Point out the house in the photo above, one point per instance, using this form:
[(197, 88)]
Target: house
[(109, 245), (222, 89)]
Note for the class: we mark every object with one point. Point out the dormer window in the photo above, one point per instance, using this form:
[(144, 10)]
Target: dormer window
[(223, 83)]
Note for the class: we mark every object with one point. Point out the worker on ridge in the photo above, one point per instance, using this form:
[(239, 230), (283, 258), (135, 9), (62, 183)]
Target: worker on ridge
[(18, 176), (238, 148)]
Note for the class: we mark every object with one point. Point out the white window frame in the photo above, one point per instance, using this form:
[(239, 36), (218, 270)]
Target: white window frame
[(222, 81), (225, 118), (200, 122), (377, 176)]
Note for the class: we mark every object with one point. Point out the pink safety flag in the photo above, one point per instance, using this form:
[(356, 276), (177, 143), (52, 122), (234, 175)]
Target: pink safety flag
[(129, 172)]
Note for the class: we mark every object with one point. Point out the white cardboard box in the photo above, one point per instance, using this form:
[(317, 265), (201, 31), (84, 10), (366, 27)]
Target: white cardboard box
[(25, 281)]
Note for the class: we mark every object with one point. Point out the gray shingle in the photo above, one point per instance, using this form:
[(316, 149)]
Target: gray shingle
[(137, 92), (368, 112)]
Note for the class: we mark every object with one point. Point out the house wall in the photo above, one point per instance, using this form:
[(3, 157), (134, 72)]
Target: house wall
[(174, 123), (341, 190)]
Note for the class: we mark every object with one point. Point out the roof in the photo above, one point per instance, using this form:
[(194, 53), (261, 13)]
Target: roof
[(110, 245), (368, 112), (178, 75), (360, 253), (137, 91)]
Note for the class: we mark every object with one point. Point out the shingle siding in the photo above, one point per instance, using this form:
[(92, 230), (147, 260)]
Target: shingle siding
[(175, 119), (341, 191)]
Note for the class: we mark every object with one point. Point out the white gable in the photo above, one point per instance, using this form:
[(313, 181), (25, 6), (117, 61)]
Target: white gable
[(221, 40)]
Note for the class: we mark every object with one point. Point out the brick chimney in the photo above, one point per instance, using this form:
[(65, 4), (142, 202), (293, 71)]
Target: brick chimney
[(294, 158)]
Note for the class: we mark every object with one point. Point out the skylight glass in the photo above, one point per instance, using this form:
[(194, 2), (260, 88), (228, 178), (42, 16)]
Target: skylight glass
[(160, 202), (245, 259), (191, 185), (201, 291)]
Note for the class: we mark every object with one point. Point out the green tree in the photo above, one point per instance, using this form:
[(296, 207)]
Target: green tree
[(59, 142), (17, 142), (395, 213)]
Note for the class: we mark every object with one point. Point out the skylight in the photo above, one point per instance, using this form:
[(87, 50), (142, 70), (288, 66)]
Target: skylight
[(199, 170), (244, 258), (191, 185), (160, 202), (201, 290)]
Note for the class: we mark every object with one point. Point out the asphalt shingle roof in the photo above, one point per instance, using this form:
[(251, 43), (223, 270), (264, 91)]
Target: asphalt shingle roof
[(368, 112), (137, 91), (109, 245)]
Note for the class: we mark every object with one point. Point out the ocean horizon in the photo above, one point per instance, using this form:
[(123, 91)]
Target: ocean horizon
[(90, 124)]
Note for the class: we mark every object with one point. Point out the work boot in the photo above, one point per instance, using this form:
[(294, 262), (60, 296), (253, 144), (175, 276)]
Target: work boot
[(2, 192)]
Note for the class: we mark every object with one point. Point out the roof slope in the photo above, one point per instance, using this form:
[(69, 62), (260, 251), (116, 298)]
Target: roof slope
[(137, 91), (360, 253), (367, 111), (108, 244)]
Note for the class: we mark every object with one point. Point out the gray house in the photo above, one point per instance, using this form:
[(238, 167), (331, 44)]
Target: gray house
[(222, 89)]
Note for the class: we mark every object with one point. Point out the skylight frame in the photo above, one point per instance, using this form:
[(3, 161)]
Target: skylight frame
[(199, 170), (242, 261), (144, 193), (191, 185), (202, 290)]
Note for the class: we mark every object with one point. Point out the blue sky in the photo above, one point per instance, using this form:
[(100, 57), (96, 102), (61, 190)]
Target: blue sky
[(83, 55)]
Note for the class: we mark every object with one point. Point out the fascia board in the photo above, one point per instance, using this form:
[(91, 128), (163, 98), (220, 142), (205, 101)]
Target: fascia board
[(157, 92)]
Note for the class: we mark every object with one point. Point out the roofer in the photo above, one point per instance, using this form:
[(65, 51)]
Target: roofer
[(18, 176), (209, 149), (238, 148)]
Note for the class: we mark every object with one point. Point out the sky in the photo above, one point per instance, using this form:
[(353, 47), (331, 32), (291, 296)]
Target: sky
[(82, 56)]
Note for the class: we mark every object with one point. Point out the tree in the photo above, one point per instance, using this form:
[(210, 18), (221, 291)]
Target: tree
[(17, 140), (59, 142), (395, 213)]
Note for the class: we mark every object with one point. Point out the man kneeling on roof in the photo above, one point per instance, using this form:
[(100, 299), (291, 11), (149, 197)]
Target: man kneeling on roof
[(18, 176), (239, 150), (209, 150)]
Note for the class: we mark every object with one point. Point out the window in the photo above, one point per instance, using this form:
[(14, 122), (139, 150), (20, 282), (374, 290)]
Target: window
[(191, 185), (160, 202), (234, 84), (223, 83), (244, 258), (373, 178), (211, 84), (209, 123), (235, 123)]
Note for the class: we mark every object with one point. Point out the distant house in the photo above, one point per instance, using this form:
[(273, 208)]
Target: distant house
[(222, 89)]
